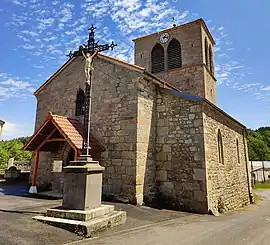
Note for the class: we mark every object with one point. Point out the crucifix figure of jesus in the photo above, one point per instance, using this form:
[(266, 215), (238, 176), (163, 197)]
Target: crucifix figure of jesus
[(88, 67)]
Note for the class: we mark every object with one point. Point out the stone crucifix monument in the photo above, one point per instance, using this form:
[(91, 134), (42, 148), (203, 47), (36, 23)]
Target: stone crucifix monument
[(1, 128), (81, 209)]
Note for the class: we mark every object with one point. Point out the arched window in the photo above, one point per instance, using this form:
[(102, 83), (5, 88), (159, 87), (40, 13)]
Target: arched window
[(206, 51), (157, 58), (237, 149), (80, 101), (220, 148), (174, 54), (211, 60)]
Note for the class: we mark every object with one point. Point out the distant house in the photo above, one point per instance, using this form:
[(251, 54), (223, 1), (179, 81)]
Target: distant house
[(259, 171)]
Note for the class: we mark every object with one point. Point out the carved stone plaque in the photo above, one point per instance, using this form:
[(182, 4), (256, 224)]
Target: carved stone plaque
[(57, 166)]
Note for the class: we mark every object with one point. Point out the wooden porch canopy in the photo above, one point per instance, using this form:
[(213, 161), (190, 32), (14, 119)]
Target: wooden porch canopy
[(53, 131), (57, 129)]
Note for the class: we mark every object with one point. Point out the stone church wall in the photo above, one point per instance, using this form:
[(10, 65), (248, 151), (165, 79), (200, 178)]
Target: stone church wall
[(227, 182), (114, 120), (181, 176)]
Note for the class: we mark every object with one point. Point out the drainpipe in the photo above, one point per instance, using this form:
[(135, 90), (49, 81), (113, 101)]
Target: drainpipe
[(263, 171), (251, 200)]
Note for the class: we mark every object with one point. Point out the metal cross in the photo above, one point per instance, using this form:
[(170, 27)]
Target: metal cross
[(92, 45)]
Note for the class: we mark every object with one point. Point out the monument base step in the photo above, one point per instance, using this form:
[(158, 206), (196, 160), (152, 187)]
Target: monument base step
[(88, 228), (82, 215)]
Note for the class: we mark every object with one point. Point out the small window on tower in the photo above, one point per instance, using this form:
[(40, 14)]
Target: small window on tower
[(206, 51), (174, 54), (211, 65), (157, 58), (80, 101)]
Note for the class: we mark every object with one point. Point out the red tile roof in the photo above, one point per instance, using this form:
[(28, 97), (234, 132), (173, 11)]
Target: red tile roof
[(70, 128)]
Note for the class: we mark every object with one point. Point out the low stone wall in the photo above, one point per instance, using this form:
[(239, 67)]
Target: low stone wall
[(24, 166)]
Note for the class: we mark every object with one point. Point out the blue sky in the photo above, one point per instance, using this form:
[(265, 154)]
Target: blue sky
[(36, 35)]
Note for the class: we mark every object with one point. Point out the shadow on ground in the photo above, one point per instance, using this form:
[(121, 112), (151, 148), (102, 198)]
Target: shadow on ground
[(14, 187)]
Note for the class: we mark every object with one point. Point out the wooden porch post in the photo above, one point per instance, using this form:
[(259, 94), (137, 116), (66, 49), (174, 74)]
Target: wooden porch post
[(76, 155), (33, 188)]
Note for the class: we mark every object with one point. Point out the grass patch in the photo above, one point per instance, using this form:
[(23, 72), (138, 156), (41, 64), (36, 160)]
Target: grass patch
[(263, 185)]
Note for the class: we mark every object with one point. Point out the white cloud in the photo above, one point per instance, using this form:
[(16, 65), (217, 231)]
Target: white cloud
[(66, 13), (267, 88), (15, 87), (28, 46), (39, 66), (31, 33), (12, 130), (48, 21)]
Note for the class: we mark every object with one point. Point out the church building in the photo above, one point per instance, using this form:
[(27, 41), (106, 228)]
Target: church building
[(155, 126)]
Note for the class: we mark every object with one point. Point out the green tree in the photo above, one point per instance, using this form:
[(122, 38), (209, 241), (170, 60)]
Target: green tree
[(259, 144), (13, 148)]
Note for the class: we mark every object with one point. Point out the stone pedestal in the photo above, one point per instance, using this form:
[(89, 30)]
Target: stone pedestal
[(81, 210), (82, 185)]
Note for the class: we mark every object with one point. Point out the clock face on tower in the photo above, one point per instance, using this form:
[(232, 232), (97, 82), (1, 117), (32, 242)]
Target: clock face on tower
[(164, 37)]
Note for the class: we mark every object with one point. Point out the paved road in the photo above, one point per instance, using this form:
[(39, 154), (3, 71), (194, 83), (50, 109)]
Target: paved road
[(249, 226), (17, 210), (144, 225), (16, 224)]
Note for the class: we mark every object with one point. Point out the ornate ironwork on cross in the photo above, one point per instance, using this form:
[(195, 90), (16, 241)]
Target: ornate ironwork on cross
[(92, 46)]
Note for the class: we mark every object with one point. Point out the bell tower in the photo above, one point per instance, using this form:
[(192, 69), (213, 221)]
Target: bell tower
[(182, 56)]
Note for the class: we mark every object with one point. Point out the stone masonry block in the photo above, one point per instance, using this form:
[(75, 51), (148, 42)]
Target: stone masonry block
[(161, 175), (167, 165), (191, 116), (198, 156), (162, 131), (198, 123), (167, 148), (199, 174), (128, 155), (161, 156)]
